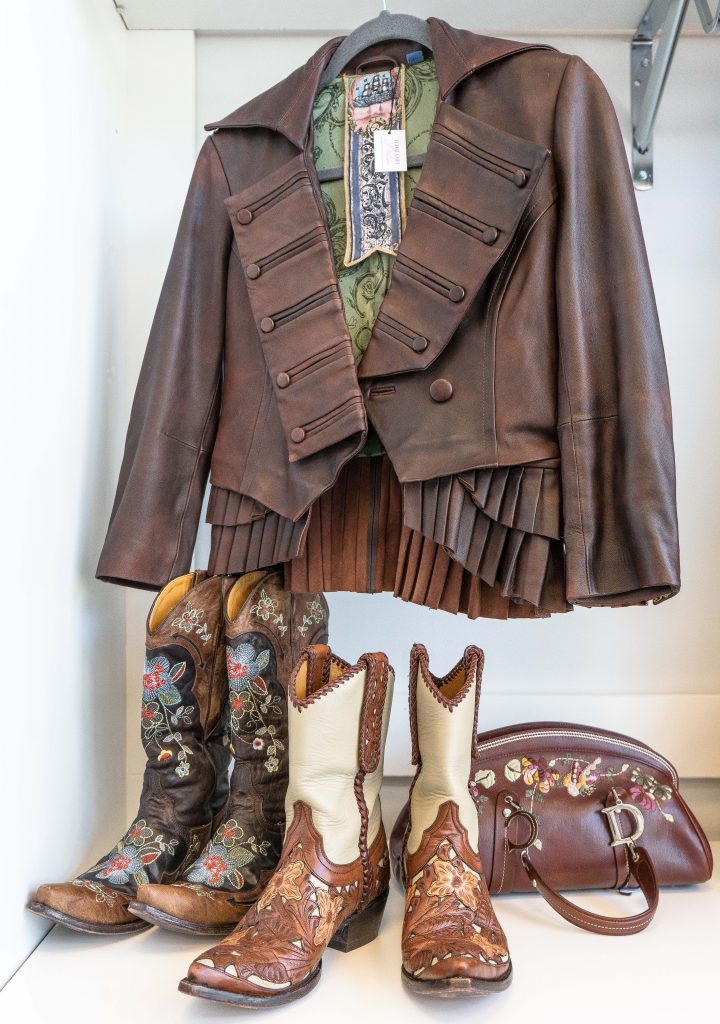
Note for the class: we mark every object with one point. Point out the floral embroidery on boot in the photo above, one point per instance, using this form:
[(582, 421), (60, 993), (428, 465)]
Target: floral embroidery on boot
[(184, 688), (229, 873)]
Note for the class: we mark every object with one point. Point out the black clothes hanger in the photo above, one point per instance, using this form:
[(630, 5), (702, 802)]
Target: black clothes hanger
[(382, 29), (385, 27)]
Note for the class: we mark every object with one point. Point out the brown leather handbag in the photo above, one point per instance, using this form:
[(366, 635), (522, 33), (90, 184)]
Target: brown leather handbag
[(573, 807)]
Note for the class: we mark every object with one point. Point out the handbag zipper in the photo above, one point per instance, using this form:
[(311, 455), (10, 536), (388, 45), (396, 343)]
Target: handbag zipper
[(581, 734)]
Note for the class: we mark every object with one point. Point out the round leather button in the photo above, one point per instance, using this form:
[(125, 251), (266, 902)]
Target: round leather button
[(520, 178), (441, 390), (267, 324), (297, 434), (282, 380), (244, 216), (253, 271), (489, 235), (456, 293), (419, 344)]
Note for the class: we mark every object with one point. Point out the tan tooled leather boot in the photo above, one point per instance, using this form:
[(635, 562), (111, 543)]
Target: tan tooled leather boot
[(331, 884), (185, 782), (265, 629), (452, 942)]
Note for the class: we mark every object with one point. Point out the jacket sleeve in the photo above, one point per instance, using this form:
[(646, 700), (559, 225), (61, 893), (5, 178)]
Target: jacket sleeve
[(614, 416), (154, 519)]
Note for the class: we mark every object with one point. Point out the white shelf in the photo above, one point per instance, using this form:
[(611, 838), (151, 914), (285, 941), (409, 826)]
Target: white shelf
[(494, 17), (561, 972)]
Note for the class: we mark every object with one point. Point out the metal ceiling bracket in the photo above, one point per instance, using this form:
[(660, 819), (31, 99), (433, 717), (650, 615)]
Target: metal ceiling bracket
[(647, 79), (648, 73), (710, 22)]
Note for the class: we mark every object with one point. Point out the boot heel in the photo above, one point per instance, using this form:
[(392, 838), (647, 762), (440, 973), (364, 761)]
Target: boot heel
[(362, 927)]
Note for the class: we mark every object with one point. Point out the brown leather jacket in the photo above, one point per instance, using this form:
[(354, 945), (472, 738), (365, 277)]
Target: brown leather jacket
[(519, 330)]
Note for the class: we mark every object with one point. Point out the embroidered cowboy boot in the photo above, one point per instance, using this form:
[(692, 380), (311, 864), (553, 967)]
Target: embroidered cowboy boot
[(452, 942), (185, 779), (265, 628), (331, 884)]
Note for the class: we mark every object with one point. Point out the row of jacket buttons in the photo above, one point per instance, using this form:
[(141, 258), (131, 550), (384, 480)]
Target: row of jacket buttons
[(441, 390)]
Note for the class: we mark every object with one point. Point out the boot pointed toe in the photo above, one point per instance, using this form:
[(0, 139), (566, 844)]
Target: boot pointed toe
[(223, 976), (94, 908), (189, 908)]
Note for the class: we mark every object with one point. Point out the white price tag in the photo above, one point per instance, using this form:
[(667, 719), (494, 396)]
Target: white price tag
[(390, 150)]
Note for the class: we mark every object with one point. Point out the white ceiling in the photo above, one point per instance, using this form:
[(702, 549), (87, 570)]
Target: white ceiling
[(332, 17)]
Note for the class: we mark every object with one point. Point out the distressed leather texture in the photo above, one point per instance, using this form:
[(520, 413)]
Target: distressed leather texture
[(262, 642), (520, 326)]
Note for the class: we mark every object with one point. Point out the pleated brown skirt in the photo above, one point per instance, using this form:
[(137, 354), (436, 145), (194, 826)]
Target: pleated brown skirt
[(356, 541)]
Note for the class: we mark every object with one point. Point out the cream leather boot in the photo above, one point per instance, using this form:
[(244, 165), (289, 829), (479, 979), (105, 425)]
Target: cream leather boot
[(331, 884), (452, 942)]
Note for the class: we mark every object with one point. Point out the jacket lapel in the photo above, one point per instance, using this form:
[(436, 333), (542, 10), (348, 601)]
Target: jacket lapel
[(285, 251), (474, 187)]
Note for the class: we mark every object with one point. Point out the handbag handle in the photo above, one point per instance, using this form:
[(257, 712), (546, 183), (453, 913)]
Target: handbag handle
[(641, 869), (639, 863)]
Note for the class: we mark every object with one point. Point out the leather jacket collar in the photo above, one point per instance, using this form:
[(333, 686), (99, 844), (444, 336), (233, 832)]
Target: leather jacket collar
[(287, 106)]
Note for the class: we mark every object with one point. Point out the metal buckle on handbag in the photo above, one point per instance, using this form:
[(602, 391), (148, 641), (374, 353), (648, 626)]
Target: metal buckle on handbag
[(513, 813), (612, 813)]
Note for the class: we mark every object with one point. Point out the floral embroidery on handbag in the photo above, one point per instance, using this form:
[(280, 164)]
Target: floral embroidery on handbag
[(220, 862), (251, 703), (578, 777), (159, 718)]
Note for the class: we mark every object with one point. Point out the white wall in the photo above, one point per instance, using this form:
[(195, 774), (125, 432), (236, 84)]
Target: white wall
[(161, 109), (63, 735)]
